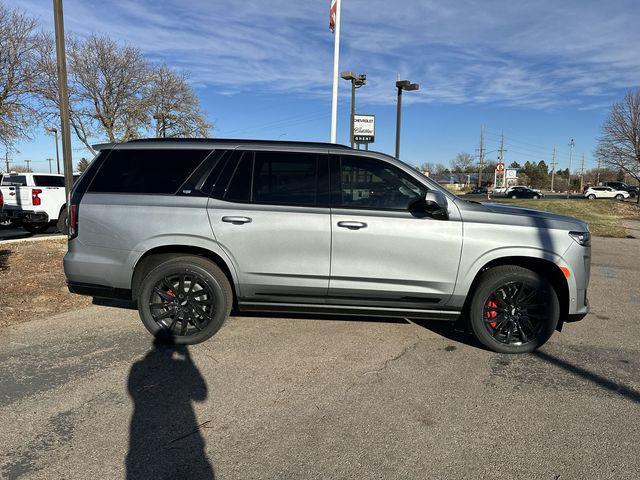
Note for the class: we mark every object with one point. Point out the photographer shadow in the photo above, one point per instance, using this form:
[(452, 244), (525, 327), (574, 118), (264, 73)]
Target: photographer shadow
[(165, 439)]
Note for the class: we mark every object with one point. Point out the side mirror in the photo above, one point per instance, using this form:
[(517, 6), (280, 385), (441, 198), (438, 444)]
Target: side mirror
[(433, 204)]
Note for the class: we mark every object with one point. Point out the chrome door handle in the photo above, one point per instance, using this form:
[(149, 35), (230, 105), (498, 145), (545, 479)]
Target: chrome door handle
[(352, 225), (236, 220)]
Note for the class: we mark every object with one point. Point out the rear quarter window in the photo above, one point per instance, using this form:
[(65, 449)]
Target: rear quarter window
[(152, 171)]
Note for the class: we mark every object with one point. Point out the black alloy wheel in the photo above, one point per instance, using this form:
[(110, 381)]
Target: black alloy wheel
[(514, 313), (514, 309), (184, 300), (182, 304)]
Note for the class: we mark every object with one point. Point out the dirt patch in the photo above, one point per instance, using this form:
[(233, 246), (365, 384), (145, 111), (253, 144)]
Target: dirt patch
[(32, 282)]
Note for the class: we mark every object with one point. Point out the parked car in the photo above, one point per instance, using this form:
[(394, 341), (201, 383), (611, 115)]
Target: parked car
[(479, 190), (605, 192), (191, 229), (630, 189), (523, 192), (35, 200)]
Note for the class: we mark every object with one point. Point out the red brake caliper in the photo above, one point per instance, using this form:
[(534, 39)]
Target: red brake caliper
[(491, 312)]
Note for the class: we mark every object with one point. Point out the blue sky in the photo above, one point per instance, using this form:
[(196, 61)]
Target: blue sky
[(544, 71)]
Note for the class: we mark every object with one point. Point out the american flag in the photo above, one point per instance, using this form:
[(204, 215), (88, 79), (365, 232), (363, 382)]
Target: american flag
[(332, 15)]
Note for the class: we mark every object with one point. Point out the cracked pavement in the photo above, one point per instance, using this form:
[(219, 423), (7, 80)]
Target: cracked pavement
[(86, 394)]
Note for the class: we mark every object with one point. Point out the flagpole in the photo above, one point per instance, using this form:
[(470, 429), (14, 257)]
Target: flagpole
[(336, 62)]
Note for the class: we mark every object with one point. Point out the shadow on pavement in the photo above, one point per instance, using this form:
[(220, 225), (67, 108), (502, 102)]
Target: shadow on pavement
[(165, 438), (460, 335), (598, 380)]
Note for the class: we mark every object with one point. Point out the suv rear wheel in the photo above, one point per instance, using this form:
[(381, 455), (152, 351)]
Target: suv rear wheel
[(185, 300), (514, 310)]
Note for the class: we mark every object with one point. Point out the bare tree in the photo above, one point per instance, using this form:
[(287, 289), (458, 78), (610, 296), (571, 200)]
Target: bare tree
[(106, 88), (619, 143), (174, 106), (463, 163), (17, 74)]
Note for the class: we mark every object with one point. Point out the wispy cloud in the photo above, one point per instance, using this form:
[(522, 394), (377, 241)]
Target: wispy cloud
[(539, 55)]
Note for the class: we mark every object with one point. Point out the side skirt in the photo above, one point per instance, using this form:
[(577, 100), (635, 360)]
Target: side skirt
[(322, 309)]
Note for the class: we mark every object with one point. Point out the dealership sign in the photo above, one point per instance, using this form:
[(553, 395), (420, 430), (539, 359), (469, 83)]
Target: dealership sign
[(364, 128)]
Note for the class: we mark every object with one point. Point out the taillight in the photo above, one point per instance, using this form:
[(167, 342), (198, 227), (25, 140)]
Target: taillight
[(35, 199), (73, 221)]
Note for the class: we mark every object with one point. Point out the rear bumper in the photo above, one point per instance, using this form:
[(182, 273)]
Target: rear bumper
[(99, 291), (30, 216)]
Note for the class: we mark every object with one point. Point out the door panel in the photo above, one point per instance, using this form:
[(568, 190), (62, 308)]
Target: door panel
[(396, 260), (280, 254), (381, 253)]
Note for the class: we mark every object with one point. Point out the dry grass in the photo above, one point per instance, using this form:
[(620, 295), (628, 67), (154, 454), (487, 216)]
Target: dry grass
[(605, 217), (32, 282)]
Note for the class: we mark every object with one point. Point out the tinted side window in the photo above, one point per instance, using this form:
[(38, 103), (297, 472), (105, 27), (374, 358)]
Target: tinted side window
[(285, 178), (160, 171), (48, 181), (370, 183)]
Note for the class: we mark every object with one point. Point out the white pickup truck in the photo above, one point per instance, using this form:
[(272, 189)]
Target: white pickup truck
[(35, 200)]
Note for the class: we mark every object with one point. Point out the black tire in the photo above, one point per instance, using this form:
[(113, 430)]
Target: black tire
[(514, 196), (533, 324), (591, 197), (212, 281), (619, 197), (35, 228), (62, 225), (536, 197)]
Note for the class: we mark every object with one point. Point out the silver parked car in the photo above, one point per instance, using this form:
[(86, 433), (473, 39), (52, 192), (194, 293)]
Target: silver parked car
[(193, 229)]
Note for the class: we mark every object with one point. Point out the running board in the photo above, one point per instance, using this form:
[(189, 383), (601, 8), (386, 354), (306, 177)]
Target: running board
[(323, 309)]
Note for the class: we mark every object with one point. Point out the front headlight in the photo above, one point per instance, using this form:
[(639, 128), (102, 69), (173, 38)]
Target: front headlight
[(583, 238)]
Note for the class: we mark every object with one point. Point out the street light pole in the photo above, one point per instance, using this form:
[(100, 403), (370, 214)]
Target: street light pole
[(50, 160), (357, 81), (402, 85), (63, 93), (55, 135)]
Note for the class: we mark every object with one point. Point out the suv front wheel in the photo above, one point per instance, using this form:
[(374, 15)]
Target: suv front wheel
[(514, 310), (185, 300)]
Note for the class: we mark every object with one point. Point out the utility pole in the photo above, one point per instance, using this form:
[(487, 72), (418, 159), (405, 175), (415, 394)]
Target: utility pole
[(598, 176), (28, 162), (63, 93), (500, 160), (582, 174), (553, 167), (6, 159), (50, 160), (481, 155), (571, 145)]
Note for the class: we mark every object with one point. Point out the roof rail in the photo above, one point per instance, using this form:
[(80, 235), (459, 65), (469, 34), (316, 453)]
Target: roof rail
[(238, 140)]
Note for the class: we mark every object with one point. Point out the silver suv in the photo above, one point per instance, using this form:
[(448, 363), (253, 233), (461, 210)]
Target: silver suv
[(193, 229)]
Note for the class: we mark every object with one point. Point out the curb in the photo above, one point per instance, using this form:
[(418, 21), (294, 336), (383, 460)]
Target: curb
[(36, 239)]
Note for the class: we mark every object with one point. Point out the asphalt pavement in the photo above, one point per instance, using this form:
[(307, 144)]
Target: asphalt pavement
[(87, 395)]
